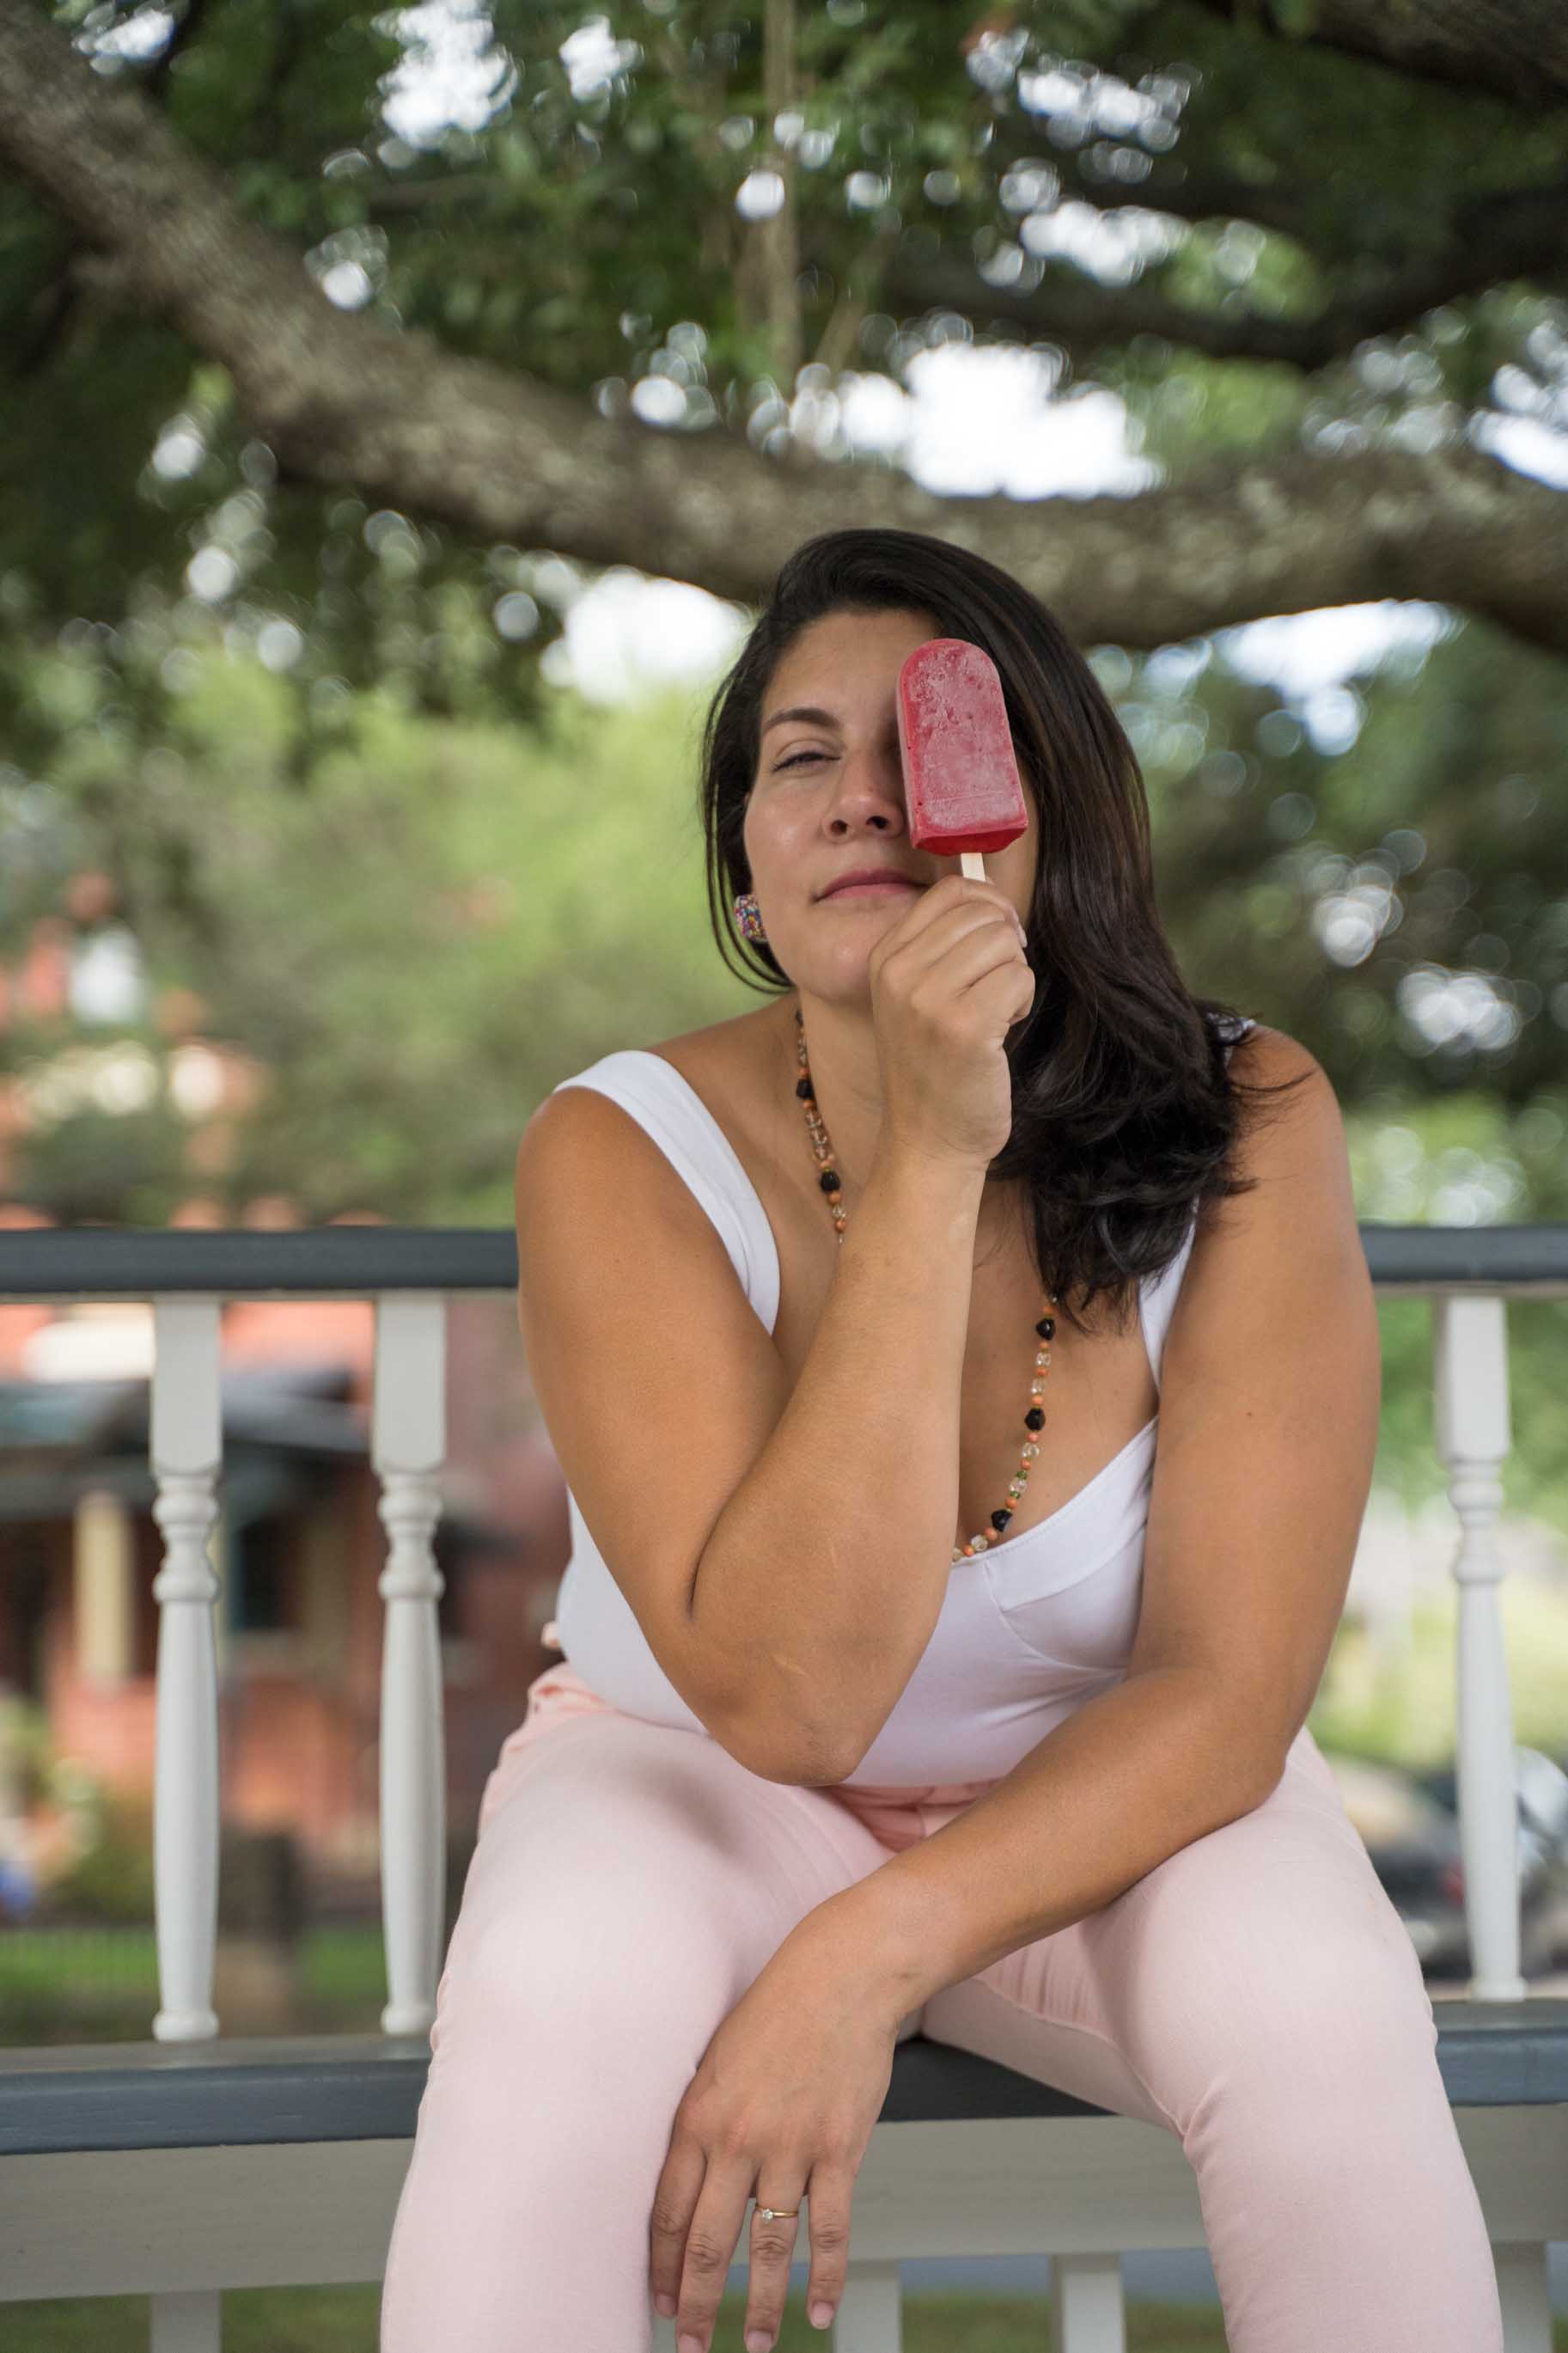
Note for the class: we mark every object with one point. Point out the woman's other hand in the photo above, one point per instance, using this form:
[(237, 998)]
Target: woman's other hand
[(779, 2109)]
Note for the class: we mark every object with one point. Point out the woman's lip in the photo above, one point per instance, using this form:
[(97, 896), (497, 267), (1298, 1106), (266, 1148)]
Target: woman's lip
[(860, 890)]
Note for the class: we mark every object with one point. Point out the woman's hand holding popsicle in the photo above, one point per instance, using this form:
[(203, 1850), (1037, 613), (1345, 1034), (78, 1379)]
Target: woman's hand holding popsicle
[(948, 980)]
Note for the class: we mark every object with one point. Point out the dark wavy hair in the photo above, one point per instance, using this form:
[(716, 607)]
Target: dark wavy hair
[(1123, 1109)]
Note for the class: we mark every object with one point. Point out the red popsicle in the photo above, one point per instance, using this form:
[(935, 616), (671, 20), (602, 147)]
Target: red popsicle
[(962, 784)]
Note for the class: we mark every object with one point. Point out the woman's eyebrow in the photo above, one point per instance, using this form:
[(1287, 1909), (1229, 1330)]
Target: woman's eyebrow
[(807, 711), (812, 713)]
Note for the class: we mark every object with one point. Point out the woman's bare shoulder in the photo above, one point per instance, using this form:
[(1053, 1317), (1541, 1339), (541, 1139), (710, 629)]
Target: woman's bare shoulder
[(733, 1057)]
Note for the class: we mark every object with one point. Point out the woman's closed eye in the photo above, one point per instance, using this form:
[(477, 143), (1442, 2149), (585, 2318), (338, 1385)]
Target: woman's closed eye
[(795, 761)]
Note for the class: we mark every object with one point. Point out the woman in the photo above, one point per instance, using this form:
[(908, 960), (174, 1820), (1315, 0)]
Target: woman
[(895, 1700)]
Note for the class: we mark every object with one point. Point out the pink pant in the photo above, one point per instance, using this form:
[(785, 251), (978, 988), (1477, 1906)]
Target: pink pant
[(1257, 1994)]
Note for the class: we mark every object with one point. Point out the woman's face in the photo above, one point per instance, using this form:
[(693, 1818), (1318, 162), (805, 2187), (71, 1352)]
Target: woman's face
[(828, 794)]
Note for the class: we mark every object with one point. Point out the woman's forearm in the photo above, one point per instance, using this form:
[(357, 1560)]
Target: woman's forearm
[(1130, 1778), (825, 1575)]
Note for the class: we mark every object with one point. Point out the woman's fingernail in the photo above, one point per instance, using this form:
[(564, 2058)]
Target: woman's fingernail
[(664, 2305), (820, 2314), (689, 2345), (759, 2341)]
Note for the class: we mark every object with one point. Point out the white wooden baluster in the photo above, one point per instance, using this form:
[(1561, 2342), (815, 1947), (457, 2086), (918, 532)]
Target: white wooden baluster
[(1470, 1348), (869, 2317), (186, 1444), (1524, 2293), (408, 1445), (1088, 2312), (186, 2321)]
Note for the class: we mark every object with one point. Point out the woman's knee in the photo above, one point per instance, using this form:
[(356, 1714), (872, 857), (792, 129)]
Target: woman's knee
[(579, 1952), (1244, 1958), (1339, 2014)]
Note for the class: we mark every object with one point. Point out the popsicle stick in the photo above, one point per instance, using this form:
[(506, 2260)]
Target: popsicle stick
[(971, 863)]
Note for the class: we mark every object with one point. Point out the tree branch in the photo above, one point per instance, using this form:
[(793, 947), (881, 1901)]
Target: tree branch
[(1517, 50), (1514, 233), (54, 307), (499, 456)]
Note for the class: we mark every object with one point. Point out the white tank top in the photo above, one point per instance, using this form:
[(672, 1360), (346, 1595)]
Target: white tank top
[(1028, 1629)]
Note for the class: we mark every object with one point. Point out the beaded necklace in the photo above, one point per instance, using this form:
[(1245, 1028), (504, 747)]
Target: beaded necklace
[(1045, 1329)]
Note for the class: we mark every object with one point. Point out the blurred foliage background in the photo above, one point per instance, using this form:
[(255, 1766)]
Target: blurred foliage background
[(295, 778)]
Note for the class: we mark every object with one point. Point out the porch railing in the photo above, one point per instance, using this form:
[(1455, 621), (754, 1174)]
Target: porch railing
[(1470, 1275)]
